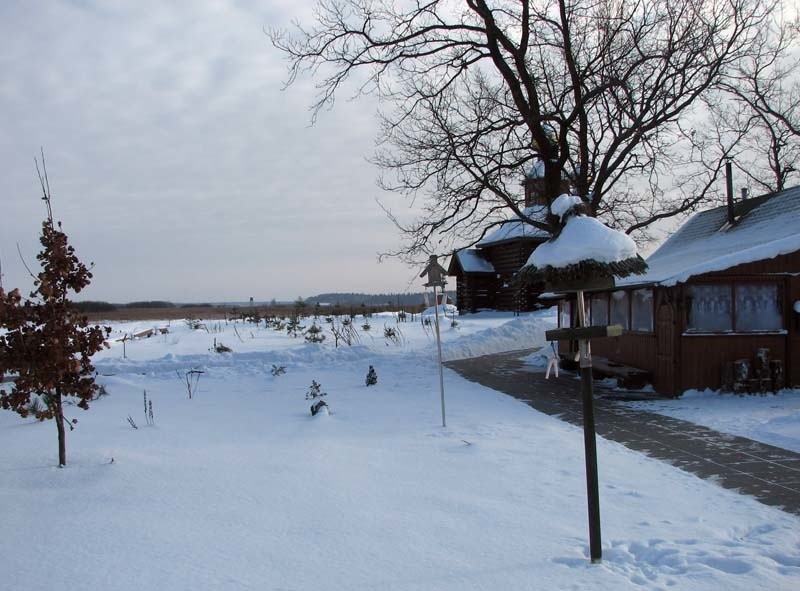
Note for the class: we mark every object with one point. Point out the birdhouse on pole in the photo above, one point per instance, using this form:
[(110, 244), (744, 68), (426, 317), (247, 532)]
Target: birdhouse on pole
[(436, 278), (435, 272), (585, 255)]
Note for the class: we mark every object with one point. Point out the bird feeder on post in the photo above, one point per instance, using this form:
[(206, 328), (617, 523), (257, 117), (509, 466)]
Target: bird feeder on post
[(436, 274), (585, 255)]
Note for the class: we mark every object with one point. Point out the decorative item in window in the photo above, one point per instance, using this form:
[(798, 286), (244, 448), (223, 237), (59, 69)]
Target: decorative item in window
[(757, 307), (709, 308), (566, 313), (619, 308), (599, 309), (642, 310)]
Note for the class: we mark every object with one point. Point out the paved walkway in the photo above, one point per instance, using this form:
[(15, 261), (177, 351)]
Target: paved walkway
[(770, 474)]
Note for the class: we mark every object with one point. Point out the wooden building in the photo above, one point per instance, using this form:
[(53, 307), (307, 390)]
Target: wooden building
[(723, 290), (485, 274)]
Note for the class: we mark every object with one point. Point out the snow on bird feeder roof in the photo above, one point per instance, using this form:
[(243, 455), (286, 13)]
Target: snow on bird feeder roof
[(563, 204), (584, 238), (584, 249)]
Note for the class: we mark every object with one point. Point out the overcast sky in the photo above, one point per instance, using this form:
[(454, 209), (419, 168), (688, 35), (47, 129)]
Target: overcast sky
[(176, 162)]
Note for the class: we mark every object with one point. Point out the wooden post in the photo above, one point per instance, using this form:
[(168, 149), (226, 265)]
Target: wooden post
[(589, 442), (439, 349)]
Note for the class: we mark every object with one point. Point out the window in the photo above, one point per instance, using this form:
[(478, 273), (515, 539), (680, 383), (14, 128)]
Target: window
[(709, 308), (565, 308), (758, 307), (642, 310), (599, 309), (741, 307), (619, 308)]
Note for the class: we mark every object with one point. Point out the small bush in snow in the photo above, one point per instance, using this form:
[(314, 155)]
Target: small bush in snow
[(293, 327), (315, 393), (393, 334), (345, 333), (278, 370), (220, 348), (314, 334), (372, 377), (318, 407), (148, 410), (192, 380)]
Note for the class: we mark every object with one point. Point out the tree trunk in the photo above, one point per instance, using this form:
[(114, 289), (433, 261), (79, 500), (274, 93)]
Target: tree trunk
[(62, 436)]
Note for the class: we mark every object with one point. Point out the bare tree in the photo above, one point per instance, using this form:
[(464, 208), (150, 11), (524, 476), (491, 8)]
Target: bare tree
[(754, 117), (475, 90)]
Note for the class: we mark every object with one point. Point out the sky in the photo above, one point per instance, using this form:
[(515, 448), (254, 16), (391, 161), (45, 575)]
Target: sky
[(177, 162)]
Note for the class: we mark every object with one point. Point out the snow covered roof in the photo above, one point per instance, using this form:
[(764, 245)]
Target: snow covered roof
[(536, 171), (471, 261), (766, 227), (515, 229)]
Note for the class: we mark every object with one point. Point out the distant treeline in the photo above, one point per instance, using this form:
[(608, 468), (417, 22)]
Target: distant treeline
[(98, 306), (391, 300), (344, 300)]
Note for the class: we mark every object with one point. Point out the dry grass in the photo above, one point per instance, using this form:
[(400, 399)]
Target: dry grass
[(202, 312), (214, 312)]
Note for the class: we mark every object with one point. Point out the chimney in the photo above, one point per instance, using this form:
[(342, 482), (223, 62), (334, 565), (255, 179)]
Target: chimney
[(729, 182)]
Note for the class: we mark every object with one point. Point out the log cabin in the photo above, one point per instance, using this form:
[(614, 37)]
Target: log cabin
[(485, 274)]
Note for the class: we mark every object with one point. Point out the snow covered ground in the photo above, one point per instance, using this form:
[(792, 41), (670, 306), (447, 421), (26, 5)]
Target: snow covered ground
[(240, 488), (771, 418)]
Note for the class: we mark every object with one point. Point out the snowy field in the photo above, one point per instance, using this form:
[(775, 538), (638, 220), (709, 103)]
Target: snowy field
[(240, 488)]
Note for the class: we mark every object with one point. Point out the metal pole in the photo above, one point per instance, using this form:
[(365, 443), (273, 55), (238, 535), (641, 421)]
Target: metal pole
[(595, 546), (439, 349)]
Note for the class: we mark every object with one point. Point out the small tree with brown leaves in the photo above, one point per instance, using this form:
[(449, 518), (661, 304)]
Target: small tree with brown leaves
[(48, 345)]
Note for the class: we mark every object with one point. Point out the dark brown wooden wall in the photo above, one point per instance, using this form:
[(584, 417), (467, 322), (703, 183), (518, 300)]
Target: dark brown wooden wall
[(702, 356), (793, 369), (632, 348), (507, 260), (474, 292)]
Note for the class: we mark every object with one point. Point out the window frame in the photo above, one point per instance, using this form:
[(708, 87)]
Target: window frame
[(732, 284)]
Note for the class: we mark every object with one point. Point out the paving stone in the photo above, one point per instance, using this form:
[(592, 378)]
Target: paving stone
[(768, 473)]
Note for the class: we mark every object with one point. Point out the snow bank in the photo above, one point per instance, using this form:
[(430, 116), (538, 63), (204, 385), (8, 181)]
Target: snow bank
[(519, 333)]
